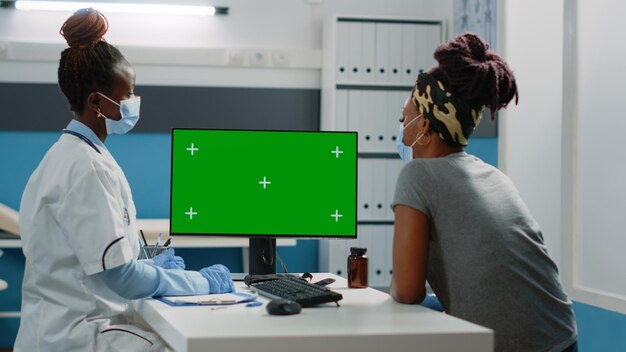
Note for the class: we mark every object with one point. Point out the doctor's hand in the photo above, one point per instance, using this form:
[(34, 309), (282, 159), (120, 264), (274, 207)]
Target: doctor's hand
[(219, 279), (168, 260)]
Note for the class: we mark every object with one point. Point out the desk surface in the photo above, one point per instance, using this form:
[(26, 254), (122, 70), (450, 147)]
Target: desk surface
[(367, 320)]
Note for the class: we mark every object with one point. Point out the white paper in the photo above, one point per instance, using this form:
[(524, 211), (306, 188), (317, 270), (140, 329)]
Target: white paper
[(214, 299)]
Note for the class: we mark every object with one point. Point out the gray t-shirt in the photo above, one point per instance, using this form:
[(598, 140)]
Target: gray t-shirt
[(487, 260)]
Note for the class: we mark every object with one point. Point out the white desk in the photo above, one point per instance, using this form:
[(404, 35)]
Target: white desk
[(368, 320)]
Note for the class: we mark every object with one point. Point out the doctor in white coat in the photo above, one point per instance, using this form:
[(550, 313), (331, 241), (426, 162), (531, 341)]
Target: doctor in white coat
[(77, 217)]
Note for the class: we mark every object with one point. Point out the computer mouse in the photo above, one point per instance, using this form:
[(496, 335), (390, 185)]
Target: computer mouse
[(283, 307)]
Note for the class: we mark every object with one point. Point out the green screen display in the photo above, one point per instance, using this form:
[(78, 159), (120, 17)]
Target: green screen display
[(263, 183)]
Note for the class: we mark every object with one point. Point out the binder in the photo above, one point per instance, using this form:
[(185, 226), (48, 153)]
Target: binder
[(374, 238), (332, 257), (379, 187), (395, 53), (339, 256), (369, 52), (433, 39), (382, 52), (368, 121), (428, 37), (341, 110), (381, 118), (394, 102), (393, 168), (355, 113), (388, 258), (409, 35), (364, 189), (343, 39), (355, 47)]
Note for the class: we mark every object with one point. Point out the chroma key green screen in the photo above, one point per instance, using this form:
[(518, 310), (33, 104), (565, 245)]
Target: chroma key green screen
[(263, 183)]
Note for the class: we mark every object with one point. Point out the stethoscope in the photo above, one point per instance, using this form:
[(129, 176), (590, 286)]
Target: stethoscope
[(83, 138)]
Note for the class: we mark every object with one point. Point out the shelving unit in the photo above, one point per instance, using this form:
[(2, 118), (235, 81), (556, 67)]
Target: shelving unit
[(369, 66)]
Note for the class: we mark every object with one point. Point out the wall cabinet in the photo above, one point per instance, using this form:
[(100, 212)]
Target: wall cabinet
[(369, 66)]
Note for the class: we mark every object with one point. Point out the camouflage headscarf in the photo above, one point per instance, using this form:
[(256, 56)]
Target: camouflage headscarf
[(453, 118)]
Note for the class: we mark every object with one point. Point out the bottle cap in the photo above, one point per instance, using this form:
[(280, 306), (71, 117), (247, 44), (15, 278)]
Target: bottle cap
[(357, 250)]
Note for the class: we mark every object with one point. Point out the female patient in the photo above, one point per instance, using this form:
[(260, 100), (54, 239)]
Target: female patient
[(77, 216), (460, 224)]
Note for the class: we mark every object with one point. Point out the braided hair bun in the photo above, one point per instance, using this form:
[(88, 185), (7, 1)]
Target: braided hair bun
[(85, 28), (470, 70), (88, 64)]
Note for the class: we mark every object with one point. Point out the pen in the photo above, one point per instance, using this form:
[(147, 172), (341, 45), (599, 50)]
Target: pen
[(144, 237), (156, 246), (167, 243)]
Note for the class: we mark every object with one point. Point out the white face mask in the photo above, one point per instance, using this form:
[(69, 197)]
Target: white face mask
[(129, 109)]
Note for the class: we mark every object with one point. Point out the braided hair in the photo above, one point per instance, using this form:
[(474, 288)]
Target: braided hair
[(88, 64), (470, 70)]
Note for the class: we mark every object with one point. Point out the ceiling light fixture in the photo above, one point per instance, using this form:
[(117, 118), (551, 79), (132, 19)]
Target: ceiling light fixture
[(119, 7)]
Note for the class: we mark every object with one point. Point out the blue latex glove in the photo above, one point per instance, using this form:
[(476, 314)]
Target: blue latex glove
[(168, 260), (431, 301), (219, 279)]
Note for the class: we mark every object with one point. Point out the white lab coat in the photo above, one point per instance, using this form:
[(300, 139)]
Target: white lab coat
[(77, 218)]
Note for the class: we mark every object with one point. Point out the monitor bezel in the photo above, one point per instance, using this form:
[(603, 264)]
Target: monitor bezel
[(260, 236)]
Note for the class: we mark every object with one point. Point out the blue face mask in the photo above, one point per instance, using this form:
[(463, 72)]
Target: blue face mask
[(129, 109), (405, 152)]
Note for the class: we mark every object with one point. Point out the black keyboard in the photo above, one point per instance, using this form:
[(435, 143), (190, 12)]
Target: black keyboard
[(298, 290)]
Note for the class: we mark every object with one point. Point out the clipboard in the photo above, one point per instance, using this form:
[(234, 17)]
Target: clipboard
[(220, 299)]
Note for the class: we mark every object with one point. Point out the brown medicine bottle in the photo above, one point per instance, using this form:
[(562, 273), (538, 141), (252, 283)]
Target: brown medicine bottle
[(357, 268)]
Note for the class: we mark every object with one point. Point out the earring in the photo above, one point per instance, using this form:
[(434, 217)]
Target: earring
[(99, 113), (422, 136)]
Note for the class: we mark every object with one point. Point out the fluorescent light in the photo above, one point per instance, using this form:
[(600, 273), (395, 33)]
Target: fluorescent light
[(108, 7)]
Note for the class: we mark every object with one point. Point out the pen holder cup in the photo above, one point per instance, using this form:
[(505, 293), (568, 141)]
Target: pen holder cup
[(149, 251)]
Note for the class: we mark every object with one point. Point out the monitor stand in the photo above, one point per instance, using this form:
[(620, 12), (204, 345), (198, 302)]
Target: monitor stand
[(262, 255)]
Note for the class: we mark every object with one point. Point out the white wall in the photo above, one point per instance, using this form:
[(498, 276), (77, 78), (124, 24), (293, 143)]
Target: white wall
[(596, 158), (294, 25), (530, 133), (563, 145)]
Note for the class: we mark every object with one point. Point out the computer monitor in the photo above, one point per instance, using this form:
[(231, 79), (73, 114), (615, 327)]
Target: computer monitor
[(263, 185)]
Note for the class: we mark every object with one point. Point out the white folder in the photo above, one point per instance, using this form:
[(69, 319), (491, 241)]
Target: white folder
[(333, 255), (382, 52), (409, 37), (393, 168), (394, 103), (379, 187), (341, 110), (355, 56), (339, 253), (428, 37), (364, 190), (355, 112), (368, 121), (395, 53), (435, 38), (369, 52), (381, 117), (376, 238), (343, 40), (388, 259)]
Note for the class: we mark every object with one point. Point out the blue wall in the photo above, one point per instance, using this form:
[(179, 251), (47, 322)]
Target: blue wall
[(600, 329)]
